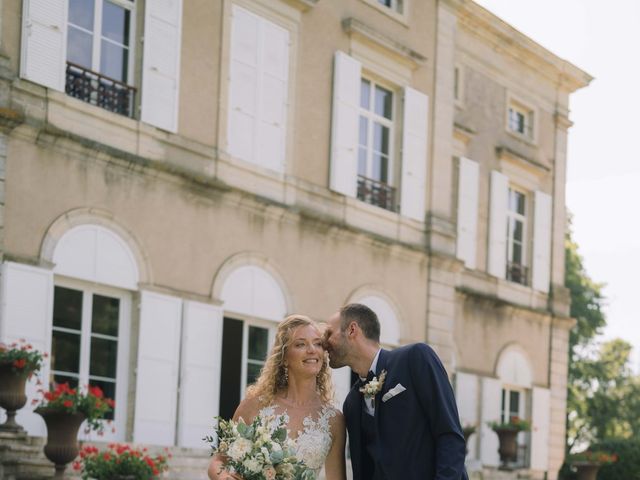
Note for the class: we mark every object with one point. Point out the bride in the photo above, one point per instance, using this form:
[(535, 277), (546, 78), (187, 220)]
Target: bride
[(296, 381)]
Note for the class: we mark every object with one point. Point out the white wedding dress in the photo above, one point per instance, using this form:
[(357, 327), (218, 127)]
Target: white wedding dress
[(314, 441)]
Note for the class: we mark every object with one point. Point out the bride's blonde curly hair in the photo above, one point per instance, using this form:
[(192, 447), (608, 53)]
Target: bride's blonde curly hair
[(273, 378)]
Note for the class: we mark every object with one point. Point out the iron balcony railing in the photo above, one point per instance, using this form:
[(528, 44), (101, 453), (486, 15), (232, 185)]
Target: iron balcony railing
[(517, 273), (376, 193), (99, 90)]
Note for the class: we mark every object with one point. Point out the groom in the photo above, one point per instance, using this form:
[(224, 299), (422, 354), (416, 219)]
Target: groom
[(402, 424)]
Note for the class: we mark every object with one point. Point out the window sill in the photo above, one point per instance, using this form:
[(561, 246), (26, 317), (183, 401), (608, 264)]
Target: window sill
[(523, 138)]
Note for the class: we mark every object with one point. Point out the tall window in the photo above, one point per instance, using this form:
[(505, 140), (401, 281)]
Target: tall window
[(520, 120), (99, 53), (395, 5), (375, 152), (86, 340), (244, 351), (517, 270), (514, 405)]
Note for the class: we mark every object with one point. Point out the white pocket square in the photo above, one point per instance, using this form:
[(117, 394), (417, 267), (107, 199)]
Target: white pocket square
[(398, 389)]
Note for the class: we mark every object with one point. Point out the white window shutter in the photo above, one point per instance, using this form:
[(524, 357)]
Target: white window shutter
[(243, 85), (342, 384), (498, 225), (157, 369), (542, 242), (199, 372), (540, 418), (344, 124), (414, 154), (491, 403), (44, 42), (27, 313), (468, 185), (161, 63), (467, 397), (273, 96)]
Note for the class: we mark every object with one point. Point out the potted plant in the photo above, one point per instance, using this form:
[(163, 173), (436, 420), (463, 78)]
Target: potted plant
[(63, 410), (508, 437), (120, 462), (18, 362), (588, 463)]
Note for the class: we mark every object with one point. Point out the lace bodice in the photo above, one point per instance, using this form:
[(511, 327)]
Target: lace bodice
[(313, 442)]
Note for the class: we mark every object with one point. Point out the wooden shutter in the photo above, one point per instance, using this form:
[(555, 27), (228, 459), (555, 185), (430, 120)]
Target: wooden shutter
[(199, 372), (491, 403), (157, 370), (342, 383), (161, 63), (27, 312), (243, 84), (344, 124), (467, 397), (468, 184), (414, 154), (542, 242), (273, 96), (498, 225), (44, 42), (540, 418)]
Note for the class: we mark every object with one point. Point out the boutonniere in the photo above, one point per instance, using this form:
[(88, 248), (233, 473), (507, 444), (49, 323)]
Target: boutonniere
[(373, 386)]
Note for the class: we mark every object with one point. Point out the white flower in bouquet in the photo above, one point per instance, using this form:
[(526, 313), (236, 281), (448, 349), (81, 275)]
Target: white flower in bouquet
[(239, 448)]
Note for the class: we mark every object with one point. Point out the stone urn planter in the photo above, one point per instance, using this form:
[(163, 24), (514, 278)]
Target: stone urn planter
[(508, 438), (12, 395), (587, 470), (62, 437), (467, 432)]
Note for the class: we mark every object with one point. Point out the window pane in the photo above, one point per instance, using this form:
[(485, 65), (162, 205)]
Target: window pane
[(109, 390), (104, 318), (60, 379), (364, 133), (517, 231), (253, 372), (113, 61), (67, 308), (514, 403), (80, 48), (520, 203), (258, 343), (381, 168), (65, 352), (115, 23), (362, 161), (386, 3), (381, 138), (104, 357), (517, 254), (365, 93), (503, 406), (81, 13), (383, 102)]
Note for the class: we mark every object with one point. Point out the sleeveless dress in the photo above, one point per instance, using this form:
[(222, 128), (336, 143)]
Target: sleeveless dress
[(314, 441)]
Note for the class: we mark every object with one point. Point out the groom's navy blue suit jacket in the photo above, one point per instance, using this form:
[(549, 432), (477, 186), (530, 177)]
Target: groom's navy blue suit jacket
[(419, 430)]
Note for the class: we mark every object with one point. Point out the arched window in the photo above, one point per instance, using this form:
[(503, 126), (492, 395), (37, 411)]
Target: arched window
[(94, 274), (254, 300)]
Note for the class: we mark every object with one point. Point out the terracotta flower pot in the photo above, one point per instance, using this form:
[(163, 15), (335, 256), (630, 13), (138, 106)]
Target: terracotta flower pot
[(12, 396), (508, 444), (587, 470), (62, 437)]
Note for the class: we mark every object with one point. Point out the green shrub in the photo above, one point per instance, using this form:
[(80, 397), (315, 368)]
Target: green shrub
[(626, 468)]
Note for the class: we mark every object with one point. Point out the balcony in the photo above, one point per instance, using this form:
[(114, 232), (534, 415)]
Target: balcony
[(517, 273), (377, 193), (99, 90)]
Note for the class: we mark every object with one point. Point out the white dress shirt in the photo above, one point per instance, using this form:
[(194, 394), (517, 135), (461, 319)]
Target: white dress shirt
[(369, 402)]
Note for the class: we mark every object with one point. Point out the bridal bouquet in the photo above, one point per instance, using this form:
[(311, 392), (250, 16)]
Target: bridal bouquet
[(260, 450)]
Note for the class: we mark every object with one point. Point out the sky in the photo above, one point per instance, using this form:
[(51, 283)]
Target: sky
[(603, 173)]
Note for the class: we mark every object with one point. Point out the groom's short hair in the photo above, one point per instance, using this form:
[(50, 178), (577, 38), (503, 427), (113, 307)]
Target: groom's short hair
[(366, 319)]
